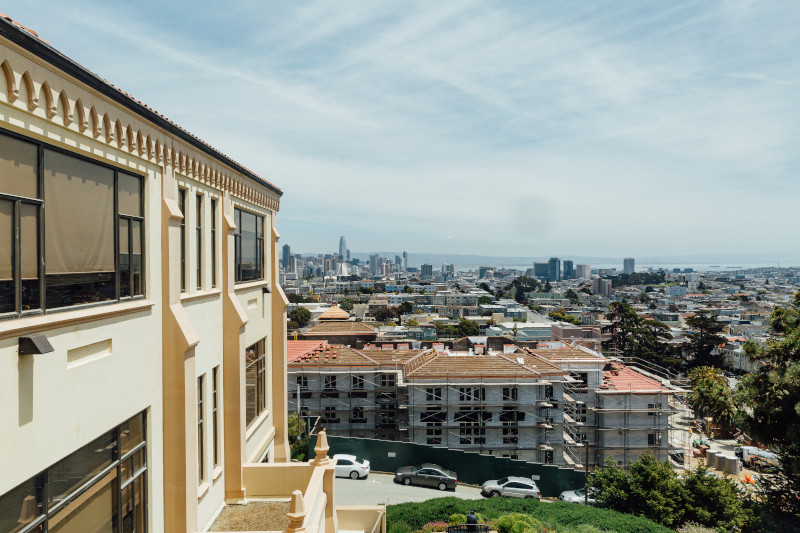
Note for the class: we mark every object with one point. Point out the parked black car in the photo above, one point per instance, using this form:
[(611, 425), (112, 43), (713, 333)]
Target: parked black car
[(427, 475)]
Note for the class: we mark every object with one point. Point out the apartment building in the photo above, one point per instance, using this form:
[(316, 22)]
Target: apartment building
[(541, 404), (506, 403), (142, 328)]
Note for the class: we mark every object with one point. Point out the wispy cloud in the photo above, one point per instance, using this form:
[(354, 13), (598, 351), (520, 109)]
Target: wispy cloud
[(517, 128)]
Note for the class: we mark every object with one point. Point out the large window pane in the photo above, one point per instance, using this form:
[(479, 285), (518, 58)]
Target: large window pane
[(19, 507), (136, 256), (95, 511), (131, 433), (130, 199), (80, 230), (70, 473), (18, 167), (249, 256), (124, 259), (255, 381), (6, 257)]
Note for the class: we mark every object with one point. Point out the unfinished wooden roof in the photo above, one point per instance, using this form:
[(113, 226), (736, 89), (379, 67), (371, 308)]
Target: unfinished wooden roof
[(342, 327)]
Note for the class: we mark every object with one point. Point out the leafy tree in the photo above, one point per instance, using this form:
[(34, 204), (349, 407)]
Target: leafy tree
[(301, 316), (638, 278), (522, 285), (485, 287), (405, 308), (547, 287), (572, 295), (672, 308), (292, 325), (712, 396), (649, 288), (412, 323), (586, 290), (485, 300), (385, 314), (561, 315), (634, 336), (408, 289), (295, 299), (770, 400), (644, 298), (715, 502), (467, 328), (649, 488), (298, 437), (346, 304), (704, 339)]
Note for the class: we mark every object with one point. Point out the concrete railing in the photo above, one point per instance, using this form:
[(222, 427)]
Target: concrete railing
[(276, 480)]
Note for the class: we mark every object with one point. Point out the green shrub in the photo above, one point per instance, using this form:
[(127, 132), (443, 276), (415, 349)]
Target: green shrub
[(504, 524), (691, 527), (565, 516), (457, 518), (399, 527), (434, 527)]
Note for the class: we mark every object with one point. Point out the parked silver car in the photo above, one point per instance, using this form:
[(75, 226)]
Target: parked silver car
[(514, 487), (578, 496)]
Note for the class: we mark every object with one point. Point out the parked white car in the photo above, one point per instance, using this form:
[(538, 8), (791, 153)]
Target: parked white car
[(350, 466), (578, 496), (514, 487)]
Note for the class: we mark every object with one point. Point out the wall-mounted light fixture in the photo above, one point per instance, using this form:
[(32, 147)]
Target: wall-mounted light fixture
[(33, 344)]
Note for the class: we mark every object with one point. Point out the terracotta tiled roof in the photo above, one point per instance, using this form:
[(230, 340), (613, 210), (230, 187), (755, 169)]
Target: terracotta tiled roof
[(342, 327), (620, 378), (295, 349)]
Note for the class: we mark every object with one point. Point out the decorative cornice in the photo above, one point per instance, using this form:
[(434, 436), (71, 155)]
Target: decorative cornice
[(58, 100)]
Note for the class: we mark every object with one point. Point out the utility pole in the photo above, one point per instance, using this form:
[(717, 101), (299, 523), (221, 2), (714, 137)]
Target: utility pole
[(586, 472)]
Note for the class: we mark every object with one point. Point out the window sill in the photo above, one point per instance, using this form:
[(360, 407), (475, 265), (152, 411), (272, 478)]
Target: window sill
[(250, 285), (199, 295), (202, 489), (38, 323), (259, 420), (217, 472)]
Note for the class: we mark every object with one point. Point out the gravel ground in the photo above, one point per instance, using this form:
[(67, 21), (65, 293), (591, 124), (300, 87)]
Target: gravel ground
[(255, 516)]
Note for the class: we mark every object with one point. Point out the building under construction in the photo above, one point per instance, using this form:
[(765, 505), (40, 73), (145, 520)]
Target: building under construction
[(544, 405)]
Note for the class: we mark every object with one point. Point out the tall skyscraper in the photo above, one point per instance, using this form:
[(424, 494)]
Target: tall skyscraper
[(583, 271), (427, 271), (554, 269), (342, 248), (287, 252), (541, 270), (569, 269), (628, 266), (405, 261), (373, 264)]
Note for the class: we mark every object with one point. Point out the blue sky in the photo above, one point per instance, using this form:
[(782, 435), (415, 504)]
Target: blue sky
[(498, 128)]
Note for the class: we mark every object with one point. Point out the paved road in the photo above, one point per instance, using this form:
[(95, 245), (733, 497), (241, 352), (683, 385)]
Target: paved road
[(381, 489)]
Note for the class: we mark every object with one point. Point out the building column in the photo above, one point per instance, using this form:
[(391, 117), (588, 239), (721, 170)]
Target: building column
[(179, 391), (280, 416), (234, 320)]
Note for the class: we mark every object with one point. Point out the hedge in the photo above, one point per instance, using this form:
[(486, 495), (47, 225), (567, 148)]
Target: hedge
[(565, 514)]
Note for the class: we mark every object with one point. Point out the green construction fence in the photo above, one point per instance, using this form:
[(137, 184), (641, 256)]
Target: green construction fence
[(471, 468)]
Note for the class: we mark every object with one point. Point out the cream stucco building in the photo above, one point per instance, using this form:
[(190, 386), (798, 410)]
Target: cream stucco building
[(142, 327)]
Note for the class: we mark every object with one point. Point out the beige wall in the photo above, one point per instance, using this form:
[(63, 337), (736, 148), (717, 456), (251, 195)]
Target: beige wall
[(113, 361)]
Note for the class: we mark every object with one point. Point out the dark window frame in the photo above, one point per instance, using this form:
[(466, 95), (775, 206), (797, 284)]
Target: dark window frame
[(182, 206), (41, 204), (215, 414), (213, 243), (259, 366), (201, 456), (122, 479), (198, 218), (258, 269)]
